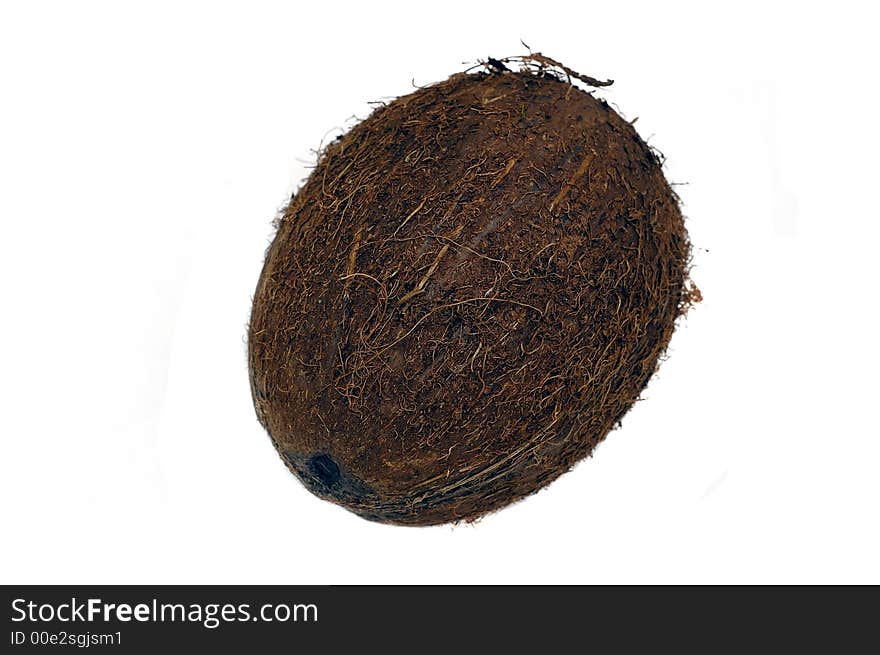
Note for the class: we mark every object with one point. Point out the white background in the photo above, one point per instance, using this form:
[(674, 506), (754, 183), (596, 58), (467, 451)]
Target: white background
[(145, 149)]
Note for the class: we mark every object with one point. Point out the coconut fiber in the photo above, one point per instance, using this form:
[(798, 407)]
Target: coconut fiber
[(469, 291)]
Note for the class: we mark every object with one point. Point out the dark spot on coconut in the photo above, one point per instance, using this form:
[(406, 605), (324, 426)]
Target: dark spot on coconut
[(467, 294), (322, 475), (325, 469)]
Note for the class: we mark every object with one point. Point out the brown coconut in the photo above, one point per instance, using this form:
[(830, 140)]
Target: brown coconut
[(467, 294)]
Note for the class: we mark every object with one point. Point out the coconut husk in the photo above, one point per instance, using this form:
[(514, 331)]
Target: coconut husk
[(467, 294)]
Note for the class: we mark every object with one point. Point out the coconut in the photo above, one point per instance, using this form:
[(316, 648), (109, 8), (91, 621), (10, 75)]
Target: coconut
[(467, 294)]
